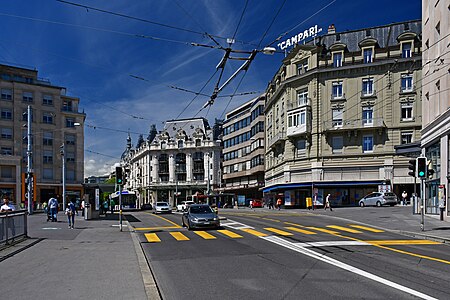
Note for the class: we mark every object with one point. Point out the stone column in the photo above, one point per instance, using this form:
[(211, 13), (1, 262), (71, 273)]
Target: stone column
[(189, 166), (155, 168), (171, 168), (206, 161)]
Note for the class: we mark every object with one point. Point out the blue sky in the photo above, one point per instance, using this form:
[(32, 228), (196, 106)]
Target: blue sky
[(93, 54)]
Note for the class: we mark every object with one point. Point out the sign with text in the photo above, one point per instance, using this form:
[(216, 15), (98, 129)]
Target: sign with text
[(307, 33)]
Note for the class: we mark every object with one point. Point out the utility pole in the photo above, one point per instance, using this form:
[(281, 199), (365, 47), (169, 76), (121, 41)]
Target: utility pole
[(62, 151), (208, 188), (29, 164)]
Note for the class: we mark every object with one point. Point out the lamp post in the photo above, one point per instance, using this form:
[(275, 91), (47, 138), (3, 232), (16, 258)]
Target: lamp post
[(29, 163), (62, 152), (176, 183)]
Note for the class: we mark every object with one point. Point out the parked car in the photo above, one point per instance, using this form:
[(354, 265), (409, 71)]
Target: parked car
[(146, 206), (184, 205), (200, 216), (379, 199), (256, 203), (162, 207)]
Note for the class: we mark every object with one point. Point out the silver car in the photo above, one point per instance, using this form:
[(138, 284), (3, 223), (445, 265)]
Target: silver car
[(161, 207), (379, 199), (200, 216)]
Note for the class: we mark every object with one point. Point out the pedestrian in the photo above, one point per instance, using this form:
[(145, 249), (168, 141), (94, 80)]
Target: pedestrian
[(105, 207), (82, 208), (279, 203), (404, 197), (327, 202), (111, 205), (271, 204), (70, 212), (45, 207), (8, 207), (53, 205)]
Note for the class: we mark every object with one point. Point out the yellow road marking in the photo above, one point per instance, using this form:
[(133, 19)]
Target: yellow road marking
[(152, 238), (294, 224), (300, 230), (344, 229), (273, 220), (205, 235), (254, 232), (402, 242), (155, 228), (323, 230), (174, 224), (230, 234), (278, 231), (367, 228), (179, 236)]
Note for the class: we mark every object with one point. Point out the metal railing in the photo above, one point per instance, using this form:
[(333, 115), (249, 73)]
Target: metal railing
[(354, 124), (12, 225)]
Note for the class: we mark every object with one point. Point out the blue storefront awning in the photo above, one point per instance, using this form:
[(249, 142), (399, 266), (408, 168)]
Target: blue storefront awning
[(288, 186)]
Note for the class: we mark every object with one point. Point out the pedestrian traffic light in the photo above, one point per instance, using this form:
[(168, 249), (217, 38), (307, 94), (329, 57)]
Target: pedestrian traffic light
[(412, 168), (119, 176), (421, 167), (430, 170)]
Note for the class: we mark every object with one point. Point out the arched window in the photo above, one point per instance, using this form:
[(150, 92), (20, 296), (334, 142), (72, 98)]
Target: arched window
[(198, 143), (180, 143), (180, 166), (163, 163), (199, 166)]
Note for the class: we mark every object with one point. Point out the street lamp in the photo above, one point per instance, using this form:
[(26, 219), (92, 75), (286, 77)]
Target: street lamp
[(62, 152), (176, 183)]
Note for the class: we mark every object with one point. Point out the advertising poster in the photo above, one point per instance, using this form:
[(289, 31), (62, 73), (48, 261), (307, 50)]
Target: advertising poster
[(287, 198), (241, 200), (97, 199)]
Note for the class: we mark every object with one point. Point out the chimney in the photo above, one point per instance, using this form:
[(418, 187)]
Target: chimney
[(331, 29)]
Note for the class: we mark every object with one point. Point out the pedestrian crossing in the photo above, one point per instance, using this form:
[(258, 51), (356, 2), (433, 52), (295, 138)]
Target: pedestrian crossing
[(237, 232)]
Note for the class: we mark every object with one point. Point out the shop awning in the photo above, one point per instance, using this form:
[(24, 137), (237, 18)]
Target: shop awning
[(321, 184)]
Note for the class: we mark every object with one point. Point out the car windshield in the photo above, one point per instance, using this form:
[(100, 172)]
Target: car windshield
[(201, 210), (161, 204)]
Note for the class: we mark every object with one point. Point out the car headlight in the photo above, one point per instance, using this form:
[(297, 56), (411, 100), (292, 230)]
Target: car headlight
[(215, 219), (195, 219)]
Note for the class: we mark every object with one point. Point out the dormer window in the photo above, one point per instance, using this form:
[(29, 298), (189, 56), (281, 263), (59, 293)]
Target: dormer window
[(407, 50), (368, 55), (337, 59)]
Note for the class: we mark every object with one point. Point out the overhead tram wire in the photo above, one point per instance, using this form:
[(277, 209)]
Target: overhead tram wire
[(106, 155), (240, 20), (271, 23), (142, 20)]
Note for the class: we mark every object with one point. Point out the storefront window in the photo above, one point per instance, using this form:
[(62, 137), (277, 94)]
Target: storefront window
[(433, 154)]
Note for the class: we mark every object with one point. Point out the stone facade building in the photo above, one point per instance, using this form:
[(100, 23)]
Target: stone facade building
[(54, 116), (436, 101), (337, 110), (243, 150), (180, 161)]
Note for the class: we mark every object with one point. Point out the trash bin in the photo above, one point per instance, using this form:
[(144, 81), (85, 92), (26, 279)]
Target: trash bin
[(87, 212), (308, 202)]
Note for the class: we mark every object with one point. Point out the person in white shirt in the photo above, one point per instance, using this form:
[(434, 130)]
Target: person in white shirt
[(53, 206), (7, 206)]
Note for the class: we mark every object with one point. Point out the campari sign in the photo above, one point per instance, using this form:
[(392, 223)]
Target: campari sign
[(292, 41)]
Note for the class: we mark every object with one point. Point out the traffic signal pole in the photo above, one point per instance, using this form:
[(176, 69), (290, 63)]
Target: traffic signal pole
[(422, 204), (120, 207)]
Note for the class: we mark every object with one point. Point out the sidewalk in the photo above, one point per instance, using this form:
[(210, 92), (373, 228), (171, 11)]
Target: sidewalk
[(93, 261)]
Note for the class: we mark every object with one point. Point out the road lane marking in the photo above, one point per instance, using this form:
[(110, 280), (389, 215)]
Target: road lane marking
[(205, 235), (332, 244), (344, 229), (278, 231), (155, 228), (231, 234), (402, 242), (300, 230), (269, 219), (293, 224), (179, 236), (152, 238), (367, 228), (167, 220), (254, 232), (323, 230), (322, 257)]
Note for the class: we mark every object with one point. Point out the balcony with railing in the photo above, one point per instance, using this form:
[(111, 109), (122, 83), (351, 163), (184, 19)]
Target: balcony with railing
[(369, 94), (299, 103), (357, 124), (280, 137)]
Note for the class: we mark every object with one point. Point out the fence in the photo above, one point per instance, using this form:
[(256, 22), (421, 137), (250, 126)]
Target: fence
[(12, 225)]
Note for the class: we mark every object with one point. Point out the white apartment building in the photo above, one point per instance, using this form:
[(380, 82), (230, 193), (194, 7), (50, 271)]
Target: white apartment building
[(180, 161)]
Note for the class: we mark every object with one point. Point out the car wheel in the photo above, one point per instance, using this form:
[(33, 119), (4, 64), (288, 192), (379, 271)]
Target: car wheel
[(189, 225), (361, 204), (378, 204)]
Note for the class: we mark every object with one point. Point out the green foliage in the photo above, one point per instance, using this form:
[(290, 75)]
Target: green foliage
[(111, 180)]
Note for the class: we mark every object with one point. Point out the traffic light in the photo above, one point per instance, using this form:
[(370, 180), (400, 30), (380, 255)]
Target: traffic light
[(119, 176), (430, 170), (412, 167), (421, 167)]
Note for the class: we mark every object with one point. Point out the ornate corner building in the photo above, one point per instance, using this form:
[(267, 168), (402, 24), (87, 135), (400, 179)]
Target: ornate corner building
[(337, 112), (54, 116), (180, 161)]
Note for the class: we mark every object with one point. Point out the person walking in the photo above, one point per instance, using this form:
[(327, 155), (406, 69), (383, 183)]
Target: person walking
[(327, 202), (271, 204), (111, 205), (70, 212), (279, 203), (105, 207), (404, 197), (7, 207), (53, 206)]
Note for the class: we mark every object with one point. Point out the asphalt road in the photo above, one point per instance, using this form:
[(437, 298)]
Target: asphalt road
[(290, 255)]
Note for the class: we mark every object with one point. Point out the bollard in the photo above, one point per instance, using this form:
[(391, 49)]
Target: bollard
[(442, 214)]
